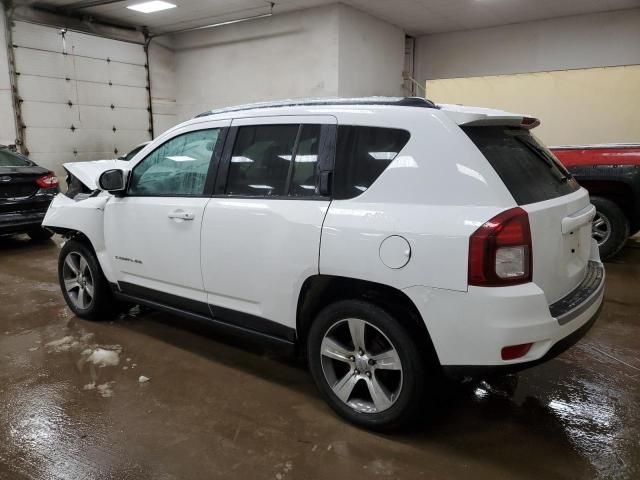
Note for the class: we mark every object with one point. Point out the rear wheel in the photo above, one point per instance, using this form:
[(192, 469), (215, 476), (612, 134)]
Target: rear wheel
[(84, 286), (366, 365), (610, 227), (40, 234)]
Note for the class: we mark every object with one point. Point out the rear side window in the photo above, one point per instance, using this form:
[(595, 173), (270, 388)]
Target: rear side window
[(362, 154), (528, 169)]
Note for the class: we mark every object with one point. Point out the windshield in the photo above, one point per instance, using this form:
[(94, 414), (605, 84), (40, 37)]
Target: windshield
[(528, 169), (12, 159)]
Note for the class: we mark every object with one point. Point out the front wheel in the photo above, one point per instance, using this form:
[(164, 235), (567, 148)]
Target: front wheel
[(366, 365), (610, 227), (84, 286)]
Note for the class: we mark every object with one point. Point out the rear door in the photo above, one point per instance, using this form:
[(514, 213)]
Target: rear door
[(560, 212), (261, 230)]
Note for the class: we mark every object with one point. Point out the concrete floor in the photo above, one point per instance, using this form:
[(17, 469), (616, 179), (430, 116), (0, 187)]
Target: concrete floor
[(216, 408)]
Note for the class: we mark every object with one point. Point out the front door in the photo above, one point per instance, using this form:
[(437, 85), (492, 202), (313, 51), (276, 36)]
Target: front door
[(153, 231)]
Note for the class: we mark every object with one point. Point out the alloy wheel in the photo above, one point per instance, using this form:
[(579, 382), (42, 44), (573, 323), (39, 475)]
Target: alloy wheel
[(361, 365), (78, 280), (601, 228)]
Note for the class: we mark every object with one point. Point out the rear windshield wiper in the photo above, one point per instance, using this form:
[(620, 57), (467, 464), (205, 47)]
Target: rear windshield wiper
[(542, 154)]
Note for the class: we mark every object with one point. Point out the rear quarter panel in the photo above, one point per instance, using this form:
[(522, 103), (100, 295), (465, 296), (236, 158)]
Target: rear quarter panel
[(435, 193)]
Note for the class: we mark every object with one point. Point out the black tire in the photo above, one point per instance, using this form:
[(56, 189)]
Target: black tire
[(40, 234), (102, 305), (618, 224), (414, 375)]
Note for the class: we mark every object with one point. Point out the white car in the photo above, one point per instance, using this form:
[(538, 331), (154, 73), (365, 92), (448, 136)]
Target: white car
[(390, 239)]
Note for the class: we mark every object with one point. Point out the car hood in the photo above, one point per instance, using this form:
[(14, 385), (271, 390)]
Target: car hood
[(88, 172)]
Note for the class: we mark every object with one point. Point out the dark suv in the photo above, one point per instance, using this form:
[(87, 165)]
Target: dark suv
[(25, 193)]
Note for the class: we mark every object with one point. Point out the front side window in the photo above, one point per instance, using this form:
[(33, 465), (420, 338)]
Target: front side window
[(261, 159), (362, 154), (177, 167)]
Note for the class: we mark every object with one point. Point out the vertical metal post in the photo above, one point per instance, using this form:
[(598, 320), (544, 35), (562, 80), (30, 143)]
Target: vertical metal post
[(13, 81), (147, 42)]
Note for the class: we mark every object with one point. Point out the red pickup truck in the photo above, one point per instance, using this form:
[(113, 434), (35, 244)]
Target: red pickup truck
[(611, 174)]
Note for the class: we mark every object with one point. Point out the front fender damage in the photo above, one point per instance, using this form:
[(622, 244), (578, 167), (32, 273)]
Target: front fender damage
[(84, 216)]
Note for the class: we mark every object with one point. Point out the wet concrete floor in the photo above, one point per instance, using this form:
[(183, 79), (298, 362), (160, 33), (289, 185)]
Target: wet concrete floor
[(72, 405)]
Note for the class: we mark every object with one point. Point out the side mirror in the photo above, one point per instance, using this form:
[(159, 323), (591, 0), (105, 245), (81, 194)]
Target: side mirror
[(111, 180)]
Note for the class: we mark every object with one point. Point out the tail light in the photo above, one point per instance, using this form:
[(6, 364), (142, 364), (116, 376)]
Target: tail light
[(48, 181), (500, 251)]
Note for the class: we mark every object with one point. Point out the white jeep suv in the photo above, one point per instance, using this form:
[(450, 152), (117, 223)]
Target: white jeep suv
[(390, 239)]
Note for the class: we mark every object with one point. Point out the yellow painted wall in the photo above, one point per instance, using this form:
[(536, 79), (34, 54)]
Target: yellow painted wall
[(595, 105)]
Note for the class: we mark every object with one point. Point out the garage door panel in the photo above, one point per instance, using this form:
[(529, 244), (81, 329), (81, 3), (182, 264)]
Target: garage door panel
[(36, 36), (125, 140), (41, 114), (88, 45), (126, 74), (41, 89), (90, 93), (129, 118), (30, 35), (132, 97), (91, 70), (61, 140), (44, 64), (101, 117)]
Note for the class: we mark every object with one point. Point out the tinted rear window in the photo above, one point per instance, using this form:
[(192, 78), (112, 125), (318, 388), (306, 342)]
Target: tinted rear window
[(11, 159), (362, 154), (528, 169)]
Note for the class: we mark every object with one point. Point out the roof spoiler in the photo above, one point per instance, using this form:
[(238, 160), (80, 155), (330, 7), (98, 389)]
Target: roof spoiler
[(476, 116)]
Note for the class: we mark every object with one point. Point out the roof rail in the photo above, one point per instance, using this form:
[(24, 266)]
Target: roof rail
[(392, 101)]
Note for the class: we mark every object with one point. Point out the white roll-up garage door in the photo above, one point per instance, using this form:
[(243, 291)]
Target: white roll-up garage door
[(82, 97)]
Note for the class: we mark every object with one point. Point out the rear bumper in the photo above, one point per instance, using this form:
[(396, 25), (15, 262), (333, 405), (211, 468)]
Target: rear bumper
[(15, 222), (557, 348), (469, 329)]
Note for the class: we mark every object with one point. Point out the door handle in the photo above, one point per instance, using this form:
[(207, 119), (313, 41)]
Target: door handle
[(181, 214)]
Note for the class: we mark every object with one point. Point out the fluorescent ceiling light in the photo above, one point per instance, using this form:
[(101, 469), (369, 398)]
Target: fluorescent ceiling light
[(150, 7)]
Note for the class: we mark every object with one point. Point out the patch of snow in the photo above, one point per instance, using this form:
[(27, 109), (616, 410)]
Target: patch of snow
[(33, 349), (143, 379), (89, 386), (104, 358), (105, 389), (61, 345)]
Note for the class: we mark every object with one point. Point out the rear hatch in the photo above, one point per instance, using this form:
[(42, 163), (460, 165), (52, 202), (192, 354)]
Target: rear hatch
[(559, 210)]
